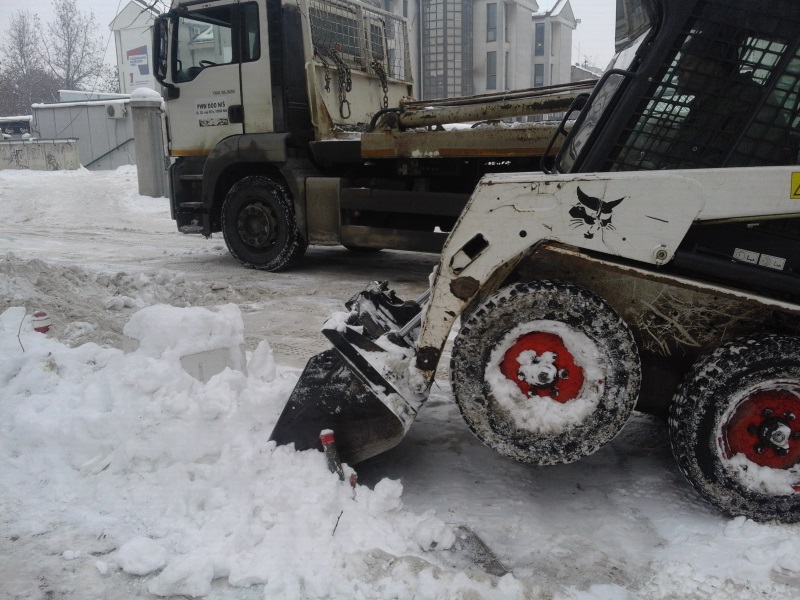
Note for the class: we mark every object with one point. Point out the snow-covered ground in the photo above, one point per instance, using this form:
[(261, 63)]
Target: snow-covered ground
[(122, 476)]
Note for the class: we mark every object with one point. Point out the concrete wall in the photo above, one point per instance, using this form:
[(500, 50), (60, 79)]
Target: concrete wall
[(39, 155)]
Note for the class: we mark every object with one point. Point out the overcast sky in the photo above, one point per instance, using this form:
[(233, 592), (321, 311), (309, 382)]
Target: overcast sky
[(593, 39)]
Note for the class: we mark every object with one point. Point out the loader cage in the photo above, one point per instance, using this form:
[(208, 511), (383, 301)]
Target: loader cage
[(744, 111), (347, 35)]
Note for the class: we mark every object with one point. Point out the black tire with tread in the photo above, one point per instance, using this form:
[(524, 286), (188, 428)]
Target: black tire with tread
[(288, 245), (697, 410), (575, 307)]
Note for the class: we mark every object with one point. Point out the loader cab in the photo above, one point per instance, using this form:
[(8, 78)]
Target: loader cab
[(705, 84)]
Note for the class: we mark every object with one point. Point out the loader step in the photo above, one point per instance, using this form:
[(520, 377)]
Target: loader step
[(191, 205)]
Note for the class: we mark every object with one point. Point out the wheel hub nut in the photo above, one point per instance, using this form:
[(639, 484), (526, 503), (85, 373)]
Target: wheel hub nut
[(538, 370), (780, 436)]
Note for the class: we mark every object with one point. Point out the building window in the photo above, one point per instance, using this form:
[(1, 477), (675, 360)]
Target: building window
[(538, 40), (538, 75), (405, 9), (491, 70), (447, 61), (491, 22)]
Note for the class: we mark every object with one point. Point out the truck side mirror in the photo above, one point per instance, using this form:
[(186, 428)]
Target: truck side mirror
[(160, 48)]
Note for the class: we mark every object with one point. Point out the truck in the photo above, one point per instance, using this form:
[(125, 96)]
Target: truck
[(292, 123), (653, 265)]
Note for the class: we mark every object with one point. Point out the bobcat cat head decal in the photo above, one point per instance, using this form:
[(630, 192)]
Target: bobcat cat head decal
[(593, 213)]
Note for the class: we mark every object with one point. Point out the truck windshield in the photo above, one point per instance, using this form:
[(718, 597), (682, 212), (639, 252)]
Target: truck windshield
[(634, 23)]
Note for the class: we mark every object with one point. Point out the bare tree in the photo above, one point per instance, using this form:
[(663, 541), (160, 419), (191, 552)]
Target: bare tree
[(74, 53), (22, 51), (108, 79), (24, 79)]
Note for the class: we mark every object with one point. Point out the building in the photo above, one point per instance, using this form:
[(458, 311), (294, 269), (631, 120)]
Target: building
[(552, 45), (466, 47), (134, 39), (503, 43)]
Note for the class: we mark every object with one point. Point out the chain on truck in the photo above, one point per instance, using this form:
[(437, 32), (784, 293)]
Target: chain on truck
[(291, 123)]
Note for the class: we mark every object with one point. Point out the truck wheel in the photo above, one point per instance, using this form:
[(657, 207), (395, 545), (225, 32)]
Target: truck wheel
[(545, 372), (735, 427), (259, 225)]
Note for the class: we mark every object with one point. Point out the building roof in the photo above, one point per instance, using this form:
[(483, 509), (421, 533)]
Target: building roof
[(561, 11), (134, 14)]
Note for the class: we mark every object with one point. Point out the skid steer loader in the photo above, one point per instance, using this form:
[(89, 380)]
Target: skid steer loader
[(654, 265)]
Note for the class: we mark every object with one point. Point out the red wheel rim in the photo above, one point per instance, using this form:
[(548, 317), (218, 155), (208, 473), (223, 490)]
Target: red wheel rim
[(560, 377), (765, 427)]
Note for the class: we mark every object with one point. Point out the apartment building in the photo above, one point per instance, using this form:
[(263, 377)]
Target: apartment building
[(552, 45)]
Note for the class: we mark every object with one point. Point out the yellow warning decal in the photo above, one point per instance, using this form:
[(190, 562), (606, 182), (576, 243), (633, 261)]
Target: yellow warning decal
[(795, 186)]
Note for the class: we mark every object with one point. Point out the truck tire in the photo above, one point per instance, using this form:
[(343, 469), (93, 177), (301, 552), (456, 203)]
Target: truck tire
[(259, 225), (545, 372), (735, 427)]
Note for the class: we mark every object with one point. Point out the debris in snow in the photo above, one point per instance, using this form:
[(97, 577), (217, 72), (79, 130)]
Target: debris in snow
[(40, 321)]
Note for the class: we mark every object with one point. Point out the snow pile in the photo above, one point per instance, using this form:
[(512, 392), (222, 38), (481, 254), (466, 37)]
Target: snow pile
[(180, 478), (85, 305)]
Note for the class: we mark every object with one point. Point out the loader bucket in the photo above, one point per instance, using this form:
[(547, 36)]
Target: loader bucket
[(343, 390), (329, 395)]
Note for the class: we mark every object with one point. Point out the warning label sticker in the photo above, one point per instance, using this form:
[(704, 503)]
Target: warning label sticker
[(795, 186)]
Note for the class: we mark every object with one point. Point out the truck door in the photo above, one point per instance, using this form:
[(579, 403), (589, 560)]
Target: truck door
[(205, 69), (255, 68)]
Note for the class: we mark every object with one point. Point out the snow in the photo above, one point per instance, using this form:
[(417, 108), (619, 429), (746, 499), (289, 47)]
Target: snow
[(122, 476)]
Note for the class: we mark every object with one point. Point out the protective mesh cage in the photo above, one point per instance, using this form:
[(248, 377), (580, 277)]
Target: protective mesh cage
[(729, 96), (363, 38)]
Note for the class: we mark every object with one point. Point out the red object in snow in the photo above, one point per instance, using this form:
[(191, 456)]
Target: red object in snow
[(329, 446), (40, 321), (334, 462)]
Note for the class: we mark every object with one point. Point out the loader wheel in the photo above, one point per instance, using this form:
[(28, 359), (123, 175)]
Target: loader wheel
[(545, 372), (735, 427), (259, 226)]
